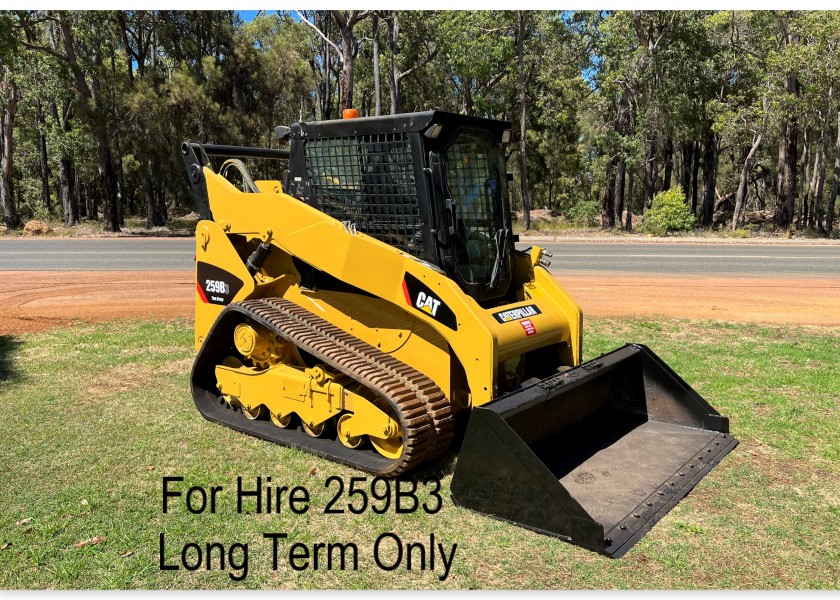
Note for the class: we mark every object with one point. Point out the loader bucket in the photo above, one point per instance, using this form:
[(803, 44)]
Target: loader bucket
[(595, 455)]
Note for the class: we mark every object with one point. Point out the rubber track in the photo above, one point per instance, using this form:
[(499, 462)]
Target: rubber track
[(436, 404), (422, 409)]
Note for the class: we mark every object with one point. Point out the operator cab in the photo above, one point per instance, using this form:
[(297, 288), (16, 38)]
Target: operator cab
[(432, 184)]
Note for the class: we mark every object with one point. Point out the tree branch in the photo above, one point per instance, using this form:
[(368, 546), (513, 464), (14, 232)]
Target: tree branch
[(44, 49), (637, 25), (493, 82), (357, 16), (666, 30), (318, 31), (418, 66), (496, 29)]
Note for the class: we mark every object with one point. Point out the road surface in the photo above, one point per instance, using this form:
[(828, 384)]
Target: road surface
[(48, 283), (692, 259), (176, 254)]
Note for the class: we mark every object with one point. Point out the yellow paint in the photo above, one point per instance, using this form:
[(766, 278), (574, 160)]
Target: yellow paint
[(386, 320), (314, 395)]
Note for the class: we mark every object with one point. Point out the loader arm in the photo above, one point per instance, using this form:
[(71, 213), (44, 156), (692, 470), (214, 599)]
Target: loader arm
[(472, 332)]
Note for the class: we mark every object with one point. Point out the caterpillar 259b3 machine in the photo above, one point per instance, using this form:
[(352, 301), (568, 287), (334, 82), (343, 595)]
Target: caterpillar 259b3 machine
[(361, 305)]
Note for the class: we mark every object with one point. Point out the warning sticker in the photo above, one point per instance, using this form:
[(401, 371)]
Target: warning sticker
[(528, 326)]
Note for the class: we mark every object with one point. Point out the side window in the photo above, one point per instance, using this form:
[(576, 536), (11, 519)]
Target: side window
[(473, 173)]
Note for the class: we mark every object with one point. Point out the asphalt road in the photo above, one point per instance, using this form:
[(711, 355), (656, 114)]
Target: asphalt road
[(696, 259), (97, 254), (176, 254)]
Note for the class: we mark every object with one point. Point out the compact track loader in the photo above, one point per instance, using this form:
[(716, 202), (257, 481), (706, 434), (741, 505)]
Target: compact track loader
[(374, 297)]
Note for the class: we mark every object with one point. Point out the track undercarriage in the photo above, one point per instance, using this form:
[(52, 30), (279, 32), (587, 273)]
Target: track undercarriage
[(274, 370)]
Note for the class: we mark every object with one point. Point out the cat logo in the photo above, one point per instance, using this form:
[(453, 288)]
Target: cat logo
[(427, 303), (419, 296)]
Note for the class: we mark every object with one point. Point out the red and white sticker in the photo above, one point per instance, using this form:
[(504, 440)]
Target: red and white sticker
[(528, 326)]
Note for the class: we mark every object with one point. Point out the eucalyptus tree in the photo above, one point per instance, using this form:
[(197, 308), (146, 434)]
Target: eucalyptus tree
[(10, 97), (346, 47), (412, 44), (557, 174), (788, 96), (817, 67), (86, 39)]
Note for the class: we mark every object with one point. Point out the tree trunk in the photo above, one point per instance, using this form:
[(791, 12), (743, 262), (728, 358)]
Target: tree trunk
[(811, 205), (78, 191), (66, 176), (119, 184), (153, 196), (377, 79), (820, 187), (834, 188), (46, 197), (69, 200), (804, 182), (628, 225), (710, 160), (695, 176), (162, 216), (393, 70), (616, 217), (523, 148), (346, 23), (787, 165), (648, 175), (685, 180), (669, 163), (327, 94), (148, 195), (741, 196), (319, 101), (348, 64), (608, 202), (105, 166), (780, 176), (10, 215)]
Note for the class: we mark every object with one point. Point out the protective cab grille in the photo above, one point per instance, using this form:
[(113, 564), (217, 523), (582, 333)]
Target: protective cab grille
[(369, 181)]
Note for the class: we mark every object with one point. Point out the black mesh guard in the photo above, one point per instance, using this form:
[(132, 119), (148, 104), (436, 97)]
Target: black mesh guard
[(369, 181)]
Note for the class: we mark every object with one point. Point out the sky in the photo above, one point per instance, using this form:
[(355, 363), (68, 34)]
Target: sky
[(247, 15)]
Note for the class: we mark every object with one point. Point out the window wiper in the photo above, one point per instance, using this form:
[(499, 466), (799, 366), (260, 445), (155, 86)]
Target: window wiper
[(501, 239)]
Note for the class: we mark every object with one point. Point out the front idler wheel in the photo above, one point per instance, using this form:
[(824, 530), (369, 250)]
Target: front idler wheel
[(391, 447)]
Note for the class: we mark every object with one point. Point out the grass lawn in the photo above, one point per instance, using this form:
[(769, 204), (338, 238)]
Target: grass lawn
[(97, 415)]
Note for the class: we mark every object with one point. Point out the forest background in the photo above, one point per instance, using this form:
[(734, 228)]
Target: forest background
[(736, 112)]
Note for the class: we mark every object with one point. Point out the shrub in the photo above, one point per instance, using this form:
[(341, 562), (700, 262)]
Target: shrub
[(586, 213), (668, 213)]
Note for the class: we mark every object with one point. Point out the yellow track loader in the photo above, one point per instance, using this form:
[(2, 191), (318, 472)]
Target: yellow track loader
[(363, 303)]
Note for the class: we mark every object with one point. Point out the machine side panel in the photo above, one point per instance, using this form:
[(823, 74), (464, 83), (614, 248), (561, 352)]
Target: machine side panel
[(221, 277)]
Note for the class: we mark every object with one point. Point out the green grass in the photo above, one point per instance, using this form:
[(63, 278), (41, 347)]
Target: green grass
[(100, 413)]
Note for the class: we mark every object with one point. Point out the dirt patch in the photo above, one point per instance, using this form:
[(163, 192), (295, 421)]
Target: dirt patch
[(779, 300), (38, 300), (34, 301), (122, 378)]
